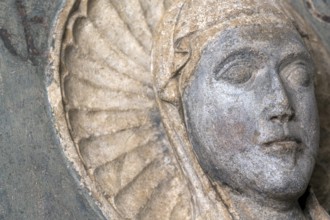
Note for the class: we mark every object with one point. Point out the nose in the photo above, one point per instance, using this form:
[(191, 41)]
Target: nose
[(279, 107)]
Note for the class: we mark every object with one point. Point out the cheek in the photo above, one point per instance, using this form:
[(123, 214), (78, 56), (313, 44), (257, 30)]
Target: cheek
[(308, 118), (306, 110), (306, 122), (230, 127)]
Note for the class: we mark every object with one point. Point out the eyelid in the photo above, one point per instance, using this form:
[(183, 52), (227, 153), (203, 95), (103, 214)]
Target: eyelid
[(290, 67), (240, 54), (296, 57), (226, 67)]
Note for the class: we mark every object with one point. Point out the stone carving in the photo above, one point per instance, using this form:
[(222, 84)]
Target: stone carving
[(223, 126), (319, 10)]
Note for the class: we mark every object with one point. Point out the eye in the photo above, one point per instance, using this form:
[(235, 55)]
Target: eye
[(237, 72), (297, 74)]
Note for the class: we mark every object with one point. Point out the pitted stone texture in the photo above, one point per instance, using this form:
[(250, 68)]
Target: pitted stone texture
[(106, 112)]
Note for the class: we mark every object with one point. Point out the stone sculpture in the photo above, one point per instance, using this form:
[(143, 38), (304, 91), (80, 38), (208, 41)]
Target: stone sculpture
[(223, 126)]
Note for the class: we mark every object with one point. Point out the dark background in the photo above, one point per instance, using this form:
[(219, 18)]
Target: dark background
[(36, 182)]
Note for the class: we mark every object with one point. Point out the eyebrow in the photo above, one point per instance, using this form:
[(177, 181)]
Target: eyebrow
[(294, 56), (244, 52)]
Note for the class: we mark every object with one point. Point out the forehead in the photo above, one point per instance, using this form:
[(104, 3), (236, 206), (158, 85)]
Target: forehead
[(263, 39)]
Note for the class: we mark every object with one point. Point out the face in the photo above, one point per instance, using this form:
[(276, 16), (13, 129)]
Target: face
[(250, 111)]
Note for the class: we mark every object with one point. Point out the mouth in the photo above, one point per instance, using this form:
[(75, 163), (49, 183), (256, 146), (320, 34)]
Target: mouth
[(286, 144)]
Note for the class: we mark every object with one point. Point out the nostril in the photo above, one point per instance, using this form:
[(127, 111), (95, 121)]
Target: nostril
[(282, 118), (291, 116), (276, 119)]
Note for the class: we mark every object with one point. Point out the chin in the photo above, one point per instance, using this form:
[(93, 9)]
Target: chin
[(288, 190), (285, 177), (287, 185)]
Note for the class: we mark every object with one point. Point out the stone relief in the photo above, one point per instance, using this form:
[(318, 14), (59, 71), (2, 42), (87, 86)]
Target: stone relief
[(193, 109)]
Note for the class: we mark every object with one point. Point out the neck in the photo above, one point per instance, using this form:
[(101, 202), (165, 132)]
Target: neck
[(253, 206)]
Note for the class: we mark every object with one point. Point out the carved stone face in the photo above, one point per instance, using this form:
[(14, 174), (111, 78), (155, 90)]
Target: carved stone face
[(251, 113)]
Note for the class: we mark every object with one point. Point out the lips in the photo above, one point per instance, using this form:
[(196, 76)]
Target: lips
[(285, 144)]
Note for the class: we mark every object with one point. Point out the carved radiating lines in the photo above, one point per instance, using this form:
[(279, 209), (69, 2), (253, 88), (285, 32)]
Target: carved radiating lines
[(97, 47), (131, 13), (111, 109), (81, 94), (102, 74), (166, 203), (125, 41), (100, 150), (136, 194), (125, 168), (151, 10), (97, 123)]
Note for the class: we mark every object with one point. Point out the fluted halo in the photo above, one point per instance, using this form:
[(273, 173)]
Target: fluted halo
[(105, 109)]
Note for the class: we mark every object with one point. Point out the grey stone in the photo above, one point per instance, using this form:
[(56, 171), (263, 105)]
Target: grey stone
[(36, 182)]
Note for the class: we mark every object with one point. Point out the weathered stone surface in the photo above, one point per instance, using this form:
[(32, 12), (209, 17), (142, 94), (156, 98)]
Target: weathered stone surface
[(312, 11), (36, 179), (109, 121)]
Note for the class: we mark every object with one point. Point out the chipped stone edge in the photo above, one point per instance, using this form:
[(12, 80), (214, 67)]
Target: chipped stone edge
[(53, 87)]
